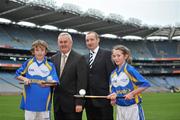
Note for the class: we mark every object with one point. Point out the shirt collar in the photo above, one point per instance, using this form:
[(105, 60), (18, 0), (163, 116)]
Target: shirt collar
[(43, 61), (95, 50), (120, 68), (67, 54)]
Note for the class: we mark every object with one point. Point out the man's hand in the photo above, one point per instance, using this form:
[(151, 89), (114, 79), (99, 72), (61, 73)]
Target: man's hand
[(79, 108)]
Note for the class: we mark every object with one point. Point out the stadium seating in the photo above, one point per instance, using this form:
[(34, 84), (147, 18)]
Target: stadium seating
[(4, 38), (8, 83), (22, 37), (165, 50), (49, 36), (10, 61), (163, 83)]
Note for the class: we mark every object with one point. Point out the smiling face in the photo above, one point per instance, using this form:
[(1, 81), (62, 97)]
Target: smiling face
[(39, 49), (40, 52), (64, 43), (119, 57), (92, 41)]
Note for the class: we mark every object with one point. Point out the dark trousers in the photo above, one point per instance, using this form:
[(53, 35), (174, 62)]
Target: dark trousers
[(99, 113), (60, 115)]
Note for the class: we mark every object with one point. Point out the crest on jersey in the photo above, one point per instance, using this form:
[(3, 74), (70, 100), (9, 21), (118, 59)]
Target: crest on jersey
[(41, 70), (120, 80)]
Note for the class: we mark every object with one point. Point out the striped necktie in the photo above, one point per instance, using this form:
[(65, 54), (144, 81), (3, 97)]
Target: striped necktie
[(90, 59)]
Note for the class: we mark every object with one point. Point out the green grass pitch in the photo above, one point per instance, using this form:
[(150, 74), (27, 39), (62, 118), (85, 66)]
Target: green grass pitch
[(157, 106)]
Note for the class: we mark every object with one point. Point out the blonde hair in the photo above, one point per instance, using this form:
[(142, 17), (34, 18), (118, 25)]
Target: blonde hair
[(39, 43), (125, 51)]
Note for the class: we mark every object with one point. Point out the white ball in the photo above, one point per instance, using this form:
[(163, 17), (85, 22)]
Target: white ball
[(49, 78), (82, 92)]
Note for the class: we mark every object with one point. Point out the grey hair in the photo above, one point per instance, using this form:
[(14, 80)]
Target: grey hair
[(65, 34)]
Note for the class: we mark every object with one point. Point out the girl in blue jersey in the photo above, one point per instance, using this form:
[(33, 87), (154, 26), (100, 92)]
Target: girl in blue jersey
[(127, 82), (36, 99)]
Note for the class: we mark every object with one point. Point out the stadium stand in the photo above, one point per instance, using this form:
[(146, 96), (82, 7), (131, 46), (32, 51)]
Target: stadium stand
[(157, 60), (19, 35), (167, 49), (5, 39), (49, 36), (22, 37), (163, 83), (144, 59), (8, 83)]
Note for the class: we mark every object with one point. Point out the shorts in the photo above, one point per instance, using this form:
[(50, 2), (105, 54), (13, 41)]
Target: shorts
[(132, 112), (30, 115)]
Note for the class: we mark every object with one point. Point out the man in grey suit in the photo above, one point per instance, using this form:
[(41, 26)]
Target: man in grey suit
[(72, 71), (100, 67)]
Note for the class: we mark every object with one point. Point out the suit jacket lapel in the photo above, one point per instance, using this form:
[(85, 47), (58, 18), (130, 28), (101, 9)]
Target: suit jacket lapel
[(57, 62), (68, 62), (87, 58), (98, 57)]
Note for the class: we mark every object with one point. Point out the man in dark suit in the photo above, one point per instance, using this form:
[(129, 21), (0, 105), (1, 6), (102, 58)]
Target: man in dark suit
[(72, 78), (100, 67)]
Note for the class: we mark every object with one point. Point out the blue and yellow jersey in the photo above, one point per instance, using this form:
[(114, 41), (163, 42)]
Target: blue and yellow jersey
[(35, 97), (125, 80)]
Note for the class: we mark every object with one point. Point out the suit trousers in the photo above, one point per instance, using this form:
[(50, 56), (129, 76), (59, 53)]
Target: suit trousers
[(99, 113), (60, 115)]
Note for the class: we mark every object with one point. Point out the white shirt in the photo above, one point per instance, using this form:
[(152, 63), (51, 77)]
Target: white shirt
[(67, 54), (61, 64), (94, 52)]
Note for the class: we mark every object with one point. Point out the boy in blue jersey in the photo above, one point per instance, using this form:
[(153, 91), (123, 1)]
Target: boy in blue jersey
[(37, 96), (127, 82)]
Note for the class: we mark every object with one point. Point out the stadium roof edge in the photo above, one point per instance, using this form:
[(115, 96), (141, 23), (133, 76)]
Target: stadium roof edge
[(66, 17)]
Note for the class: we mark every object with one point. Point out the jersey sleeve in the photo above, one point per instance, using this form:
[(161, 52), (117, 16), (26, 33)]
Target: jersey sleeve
[(22, 69), (137, 78)]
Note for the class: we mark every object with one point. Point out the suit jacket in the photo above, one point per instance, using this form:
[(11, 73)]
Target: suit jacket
[(73, 78), (99, 74)]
